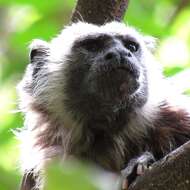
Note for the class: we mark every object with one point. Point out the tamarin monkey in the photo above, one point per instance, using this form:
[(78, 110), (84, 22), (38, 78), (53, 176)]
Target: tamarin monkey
[(96, 93)]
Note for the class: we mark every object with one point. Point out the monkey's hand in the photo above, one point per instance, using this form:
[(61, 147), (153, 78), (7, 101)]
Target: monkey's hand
[(136, 167)]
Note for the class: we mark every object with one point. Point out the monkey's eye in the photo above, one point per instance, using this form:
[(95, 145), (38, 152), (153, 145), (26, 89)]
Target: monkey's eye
[(93, 44), (131, 45)]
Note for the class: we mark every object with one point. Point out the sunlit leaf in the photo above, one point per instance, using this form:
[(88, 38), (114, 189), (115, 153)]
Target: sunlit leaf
[(174, 51), (22, 17), (70, 175)]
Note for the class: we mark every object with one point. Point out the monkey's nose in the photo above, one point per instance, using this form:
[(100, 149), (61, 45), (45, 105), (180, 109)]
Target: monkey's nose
[(119, 59), (116, 56)]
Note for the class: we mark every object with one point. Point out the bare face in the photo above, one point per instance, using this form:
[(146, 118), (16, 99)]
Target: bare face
[(106, 69)]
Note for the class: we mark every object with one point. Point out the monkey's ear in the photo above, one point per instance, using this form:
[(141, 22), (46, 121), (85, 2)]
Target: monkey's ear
[(38, 50), (151, 43)]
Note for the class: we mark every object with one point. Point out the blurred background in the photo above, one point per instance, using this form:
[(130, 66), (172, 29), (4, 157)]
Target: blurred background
[(23, 20)]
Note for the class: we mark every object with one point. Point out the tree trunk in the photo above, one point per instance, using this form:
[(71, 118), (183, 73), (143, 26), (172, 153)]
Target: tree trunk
[(99, 11)]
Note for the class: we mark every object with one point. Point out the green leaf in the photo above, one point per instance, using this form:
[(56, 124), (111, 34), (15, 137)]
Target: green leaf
[(70, 175)]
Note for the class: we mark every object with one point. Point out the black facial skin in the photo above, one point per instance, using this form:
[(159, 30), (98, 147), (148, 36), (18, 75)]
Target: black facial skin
[(102, 79)]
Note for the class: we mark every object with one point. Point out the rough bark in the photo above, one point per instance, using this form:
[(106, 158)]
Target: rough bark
[(170, 173), (99, 12)]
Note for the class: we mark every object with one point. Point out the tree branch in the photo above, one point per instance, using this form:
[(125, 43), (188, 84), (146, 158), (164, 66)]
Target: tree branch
[(170, 173), (99, 12)]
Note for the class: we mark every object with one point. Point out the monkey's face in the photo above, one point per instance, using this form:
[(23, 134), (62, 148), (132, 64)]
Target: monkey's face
[(111, 63), (89, 68), (107, 68)]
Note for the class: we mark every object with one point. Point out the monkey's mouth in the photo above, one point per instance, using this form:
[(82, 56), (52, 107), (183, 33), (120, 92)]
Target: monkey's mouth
[(117, 83)]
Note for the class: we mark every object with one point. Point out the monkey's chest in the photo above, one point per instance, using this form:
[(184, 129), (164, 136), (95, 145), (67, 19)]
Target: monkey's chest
[(106, 152)]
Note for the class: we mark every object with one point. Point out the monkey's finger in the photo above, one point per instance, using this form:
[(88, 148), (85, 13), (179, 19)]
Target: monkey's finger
[(141, 168), (125, 184)]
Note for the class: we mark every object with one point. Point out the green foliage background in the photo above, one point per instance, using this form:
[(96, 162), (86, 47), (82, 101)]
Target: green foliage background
[(23, 20)]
